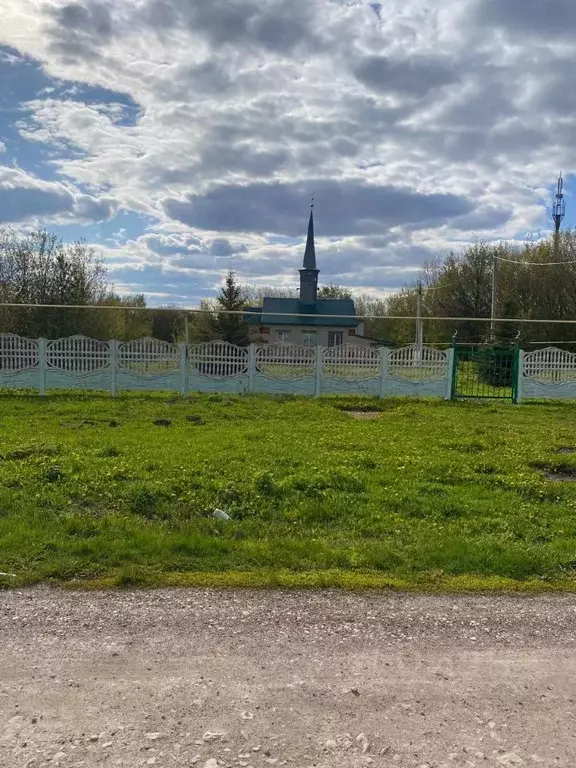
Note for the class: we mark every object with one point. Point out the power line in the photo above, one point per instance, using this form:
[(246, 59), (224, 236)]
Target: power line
[(248, 313), (444, 285), (534, 263)]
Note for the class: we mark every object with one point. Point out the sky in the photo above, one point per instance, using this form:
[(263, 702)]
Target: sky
[(183, 138)]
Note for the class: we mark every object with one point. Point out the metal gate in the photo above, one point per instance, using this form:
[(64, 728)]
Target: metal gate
[(485, 373)]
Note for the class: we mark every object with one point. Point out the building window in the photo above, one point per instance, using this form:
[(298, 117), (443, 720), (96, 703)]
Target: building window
[(264, 330), (309, 338), (334, 338), (283, 336), (352, 332)]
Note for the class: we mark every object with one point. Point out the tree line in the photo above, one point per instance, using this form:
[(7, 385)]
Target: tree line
[(535, 280), (71, 282), (532, 281)]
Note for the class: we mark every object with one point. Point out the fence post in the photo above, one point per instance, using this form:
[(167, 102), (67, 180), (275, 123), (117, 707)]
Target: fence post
[(183, 347), (318, 371), (42, 366), (450, 373), (251, 367), (384, 356), (113, 344), (519, 376)]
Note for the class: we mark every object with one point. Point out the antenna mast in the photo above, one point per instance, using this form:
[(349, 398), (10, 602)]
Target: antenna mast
[(559, 210)]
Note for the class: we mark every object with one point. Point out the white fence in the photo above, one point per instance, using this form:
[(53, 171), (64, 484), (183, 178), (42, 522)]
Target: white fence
[(548, 373), (78, 362)]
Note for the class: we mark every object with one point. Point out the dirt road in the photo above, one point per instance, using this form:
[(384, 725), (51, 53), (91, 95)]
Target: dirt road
[(181, 678)]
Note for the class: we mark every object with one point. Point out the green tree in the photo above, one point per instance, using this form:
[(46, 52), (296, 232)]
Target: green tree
[(39, 269), (201, 325), (254, 294), (333, 291), (227, 326), (375, 327), (168, 324)]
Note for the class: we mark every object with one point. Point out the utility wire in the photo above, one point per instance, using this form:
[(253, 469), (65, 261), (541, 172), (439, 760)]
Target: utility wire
[(438, 287), (248, 313), (534, 263)]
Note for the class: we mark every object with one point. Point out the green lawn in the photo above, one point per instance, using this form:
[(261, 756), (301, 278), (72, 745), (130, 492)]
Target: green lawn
[(428, 495)]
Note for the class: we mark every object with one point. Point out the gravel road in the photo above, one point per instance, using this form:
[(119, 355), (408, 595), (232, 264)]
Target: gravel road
[(326, 679)]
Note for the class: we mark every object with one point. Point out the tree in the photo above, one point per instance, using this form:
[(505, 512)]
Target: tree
[(202, 325), (168, 324), (529, 285), (38, 268), (231, 327), (333, 291), (106, 322), (255, 294)]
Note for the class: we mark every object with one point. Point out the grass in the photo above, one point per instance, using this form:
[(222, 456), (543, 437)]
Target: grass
[(432, 495), (469, 381)]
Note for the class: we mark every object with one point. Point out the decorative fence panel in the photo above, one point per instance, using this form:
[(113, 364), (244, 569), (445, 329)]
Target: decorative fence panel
[(217, 366), (285, 368), (148, 364), (351, 369), (419, 372), (548, 373), (19, 362), (79, 362)]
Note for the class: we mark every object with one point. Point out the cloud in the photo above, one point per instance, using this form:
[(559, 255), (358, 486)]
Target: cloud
[(413, 77), (351, 208), (81, 29), (555, 19), (173, 245), (90, 208), (182, 247), (209, 123), (24, 197), (20, 203), (482, 220), (273, 25), (223, 248)]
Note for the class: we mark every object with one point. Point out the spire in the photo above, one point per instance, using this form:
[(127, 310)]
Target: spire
[(309, 272), (310, 252)]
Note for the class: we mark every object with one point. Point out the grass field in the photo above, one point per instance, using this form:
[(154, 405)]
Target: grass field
[(428, 494)]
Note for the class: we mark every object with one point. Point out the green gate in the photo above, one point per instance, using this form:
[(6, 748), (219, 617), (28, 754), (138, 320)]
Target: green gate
[(485, 373)]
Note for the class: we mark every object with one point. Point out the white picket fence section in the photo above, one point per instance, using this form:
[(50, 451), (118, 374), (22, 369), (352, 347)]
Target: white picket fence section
[(78, 362)]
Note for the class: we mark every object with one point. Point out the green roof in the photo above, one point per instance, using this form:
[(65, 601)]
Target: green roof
[(286, 312)]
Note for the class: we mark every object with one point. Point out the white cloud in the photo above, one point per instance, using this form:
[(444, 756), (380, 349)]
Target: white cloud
[(27, 198)]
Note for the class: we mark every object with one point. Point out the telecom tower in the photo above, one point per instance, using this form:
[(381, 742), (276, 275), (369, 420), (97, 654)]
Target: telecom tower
[(559, 208)]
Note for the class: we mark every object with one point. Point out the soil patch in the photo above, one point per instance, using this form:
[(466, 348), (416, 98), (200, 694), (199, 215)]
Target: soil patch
[(561, 477), (558, 473), (364, 415)]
